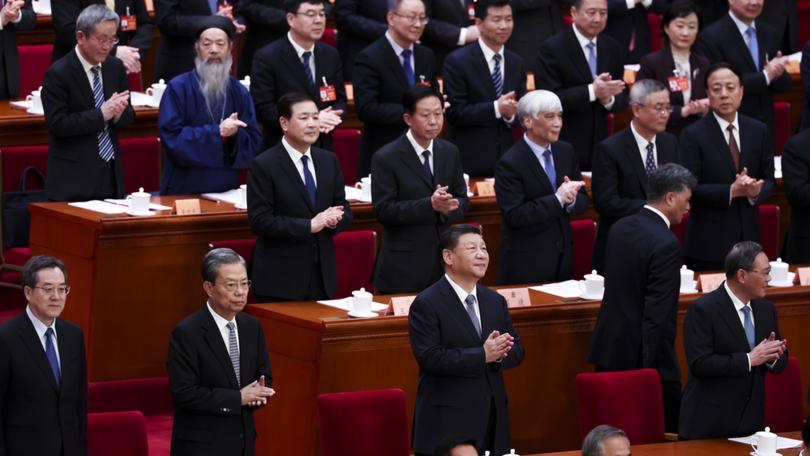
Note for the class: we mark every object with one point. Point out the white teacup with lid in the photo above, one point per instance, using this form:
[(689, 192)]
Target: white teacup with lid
[(361, 302), (35, 98), (242, 204), (511, 453), (764, 443), (779, 271), (594, 284), (246, 82), (156, 91), (139, 202), (365, 187), (687, 278)]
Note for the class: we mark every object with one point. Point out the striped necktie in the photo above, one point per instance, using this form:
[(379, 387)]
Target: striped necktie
[(105, 145), (497, 79), (233, 351)]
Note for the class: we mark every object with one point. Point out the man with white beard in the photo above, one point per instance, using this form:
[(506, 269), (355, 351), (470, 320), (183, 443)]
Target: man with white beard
[(207, 122)]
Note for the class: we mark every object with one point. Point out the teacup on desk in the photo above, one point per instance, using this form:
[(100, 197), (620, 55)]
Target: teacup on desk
[(594, 284), (35, 100), (139, 202), (779, 271), (764, 443), (242, 204), (156, 92), (687, 278), (361, 301), (365, 186)]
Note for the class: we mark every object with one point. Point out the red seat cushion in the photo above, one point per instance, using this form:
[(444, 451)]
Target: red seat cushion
[(8, 314), (783, 398), (346, 143), (141, 163), (35, 60), (355, 252), (654, 23), (13, 160), (583, 234), (329, 36), (118, 433), (135, 82)]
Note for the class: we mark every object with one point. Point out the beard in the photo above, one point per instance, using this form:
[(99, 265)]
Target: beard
[(214, 77)]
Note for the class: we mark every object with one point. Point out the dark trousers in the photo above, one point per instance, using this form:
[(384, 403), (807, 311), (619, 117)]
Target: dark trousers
[(316, 289), (106, 186), (703, 265)]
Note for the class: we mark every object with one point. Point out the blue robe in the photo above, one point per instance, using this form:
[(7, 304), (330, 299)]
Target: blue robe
[(197, 160)]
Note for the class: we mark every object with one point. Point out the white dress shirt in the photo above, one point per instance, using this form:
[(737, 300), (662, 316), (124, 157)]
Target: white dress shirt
[(40, 328), (296, 156), (88, 67), (419, 149), (398, 51), (538, 152), (489, 54), (642, 145), (222, 326), (583, 45), (738, 306), (660, 214), (462, 296), (300, 51)]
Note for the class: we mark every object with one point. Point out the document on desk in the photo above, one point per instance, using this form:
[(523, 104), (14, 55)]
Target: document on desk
[(231, 196), (781, 442), (100, 206), (125, 202), (346, 304), (567, 289)]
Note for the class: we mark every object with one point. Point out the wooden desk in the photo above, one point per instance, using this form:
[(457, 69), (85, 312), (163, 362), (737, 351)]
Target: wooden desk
[(316, 349)]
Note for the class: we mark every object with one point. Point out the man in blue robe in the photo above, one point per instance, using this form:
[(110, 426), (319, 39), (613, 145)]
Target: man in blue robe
[(207, 122)]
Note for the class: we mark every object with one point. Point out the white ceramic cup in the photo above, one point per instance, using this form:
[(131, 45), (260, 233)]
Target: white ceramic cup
[(242, 197), (139, 202), (361, 301), (36, 100), (467, 181), (156, 91), (246, 82), (779, 271), (365, 186), (687, 278), (594, 283), (764, 443), (46, 4)]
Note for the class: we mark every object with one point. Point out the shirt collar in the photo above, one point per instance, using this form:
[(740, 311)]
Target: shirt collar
[(488, 52), (298, 49), (724, 123), (218, 320), (294, 154), (39, 326), (738, 305), (462, 294), (581, 38), (537, 149), (397, 48), (640, 140), (742, 26), (660, 214), (419, 149), (85, 64)]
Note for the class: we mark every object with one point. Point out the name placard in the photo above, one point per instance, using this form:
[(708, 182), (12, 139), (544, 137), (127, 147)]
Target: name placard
[(485, 188), (804, 276), (711, 282), (400, 305), (516, 297), (187, 206)]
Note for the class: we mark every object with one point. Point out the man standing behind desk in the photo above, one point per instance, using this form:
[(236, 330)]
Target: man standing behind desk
[(218, 367), (14, 15), (731, 338), (43, 372), (296, 204), (417, 189), (637, 320), (207, 123), (86, 99), (463, 339)]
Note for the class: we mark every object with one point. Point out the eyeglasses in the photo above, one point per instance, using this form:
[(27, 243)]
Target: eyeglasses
[(233, 286), (764, 272), (414, 19), (106, 41), (64, 291), (660, 109), (312, 14)]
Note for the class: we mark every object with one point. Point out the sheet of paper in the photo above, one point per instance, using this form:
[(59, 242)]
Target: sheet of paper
[(231, 196), (100, 206), (41, 9), (796, 57), (781, 442), (140, 99), (125, 202), (633, 67), (346, 304), (567, 289), (355, 194), (22, 104), (777, 167)]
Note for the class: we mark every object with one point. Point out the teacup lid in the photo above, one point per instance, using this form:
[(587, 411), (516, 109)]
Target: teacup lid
[(361, 292), (766, 433), (160, 83), (140, 193), (778, 262), (511, 452), (685, 269), (594, 276)]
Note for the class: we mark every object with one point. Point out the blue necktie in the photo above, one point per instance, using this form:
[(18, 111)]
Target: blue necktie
[(471, 312), (749, 327), (649, 165), (549, 166), (426, 164), (50, 352), (406, 65), (497, 79), (308, 180), (214, 6), (308, 70), (753, 45), (105, 146), (233, 351), (592, 58)]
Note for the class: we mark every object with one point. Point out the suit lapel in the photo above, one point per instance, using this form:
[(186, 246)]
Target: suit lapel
[(408, 156), (634, 157), (294, 65), (578, 57), (30, 340), (762, 326), (669, 62), (323, 172), (721, 146), (730, 315), (247, 356), (459, 312), (480, 61), (534, 164), (393, 61), (81, 81), (488, 313), (290, 169), (739, 42), (213, 337)]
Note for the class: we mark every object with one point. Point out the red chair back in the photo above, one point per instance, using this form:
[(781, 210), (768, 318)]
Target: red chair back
[(769, 229), (804, 23), (141, 163), (628, 400), (783, 398), (355, 253), (346, 143), (150, 396), (13, 160), (364, 423), (34, 62), (135, 82), (329, 36), (118, 433), (583, 234), (654, 23), (243, 247), (782, 127)]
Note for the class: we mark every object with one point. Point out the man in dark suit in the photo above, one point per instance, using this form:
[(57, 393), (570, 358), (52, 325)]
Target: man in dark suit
[(731, 338), (796, 180), (783, 17), (218, 367), (86, 99), (751, 47), (384, 71), (300, 63), (452, 25), (483, 82), (417, 189), (623, 161), (535, 22), (134, 36), (637, 320), (627, 23), (14, 15), (266, 21), (296, 204), (537, 185), (584, 67), (463, 339), (43, 371), (361, 22), (731, 156)]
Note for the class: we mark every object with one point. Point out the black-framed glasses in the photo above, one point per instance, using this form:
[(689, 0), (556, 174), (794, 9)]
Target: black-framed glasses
[(233, 286)]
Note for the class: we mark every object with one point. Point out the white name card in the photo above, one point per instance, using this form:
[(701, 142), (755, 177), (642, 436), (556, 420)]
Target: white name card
[(711, 282)]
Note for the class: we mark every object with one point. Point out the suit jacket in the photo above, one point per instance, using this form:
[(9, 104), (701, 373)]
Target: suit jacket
[(796, 179), (619, 181), (74, 166), (722, 42), (782, 16), (409, 260), (637, 320), (447, 18), (563, 69), (379, 86), (456, 385), (178, 22), (714, 224), (266, 21), (535, 21), (9, 58), (659, 65), (722, 397), (630, 26), (209, 418), (805, 72), (40, 417), (279, 212), (536, 243), (277, 70), (711, 11), (65, 13), (360, 22), (481, 137)]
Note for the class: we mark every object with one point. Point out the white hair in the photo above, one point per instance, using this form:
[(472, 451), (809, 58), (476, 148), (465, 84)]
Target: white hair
[(537, 101)]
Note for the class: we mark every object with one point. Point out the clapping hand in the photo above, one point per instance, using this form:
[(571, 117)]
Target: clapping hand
[(230, 125), (256, 393)]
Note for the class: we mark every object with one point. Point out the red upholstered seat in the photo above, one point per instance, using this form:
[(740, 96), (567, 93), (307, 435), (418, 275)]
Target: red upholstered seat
[(654, 23), (141, 163), (629, 400), (364, 423), (346, 143), (329, 36), (8, 314), (355, 252), (135, 82), (116, 433), (782, 121), (34, 62), (243, 247), (583, 233), (784, 398), (769, 229), (804, 23)]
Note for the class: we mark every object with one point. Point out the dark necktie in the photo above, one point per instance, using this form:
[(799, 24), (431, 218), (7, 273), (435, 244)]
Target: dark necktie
[(426, 164), (105, 146), (748, 326), (753, 45), (649, 165), (497, 79), (733, 148), (309, 181), (233, 351), (549, 166), (308, 71), (50, 352), (408, 67), (471, 312)]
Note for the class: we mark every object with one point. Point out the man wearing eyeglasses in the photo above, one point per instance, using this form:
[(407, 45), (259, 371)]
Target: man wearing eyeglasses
[(43, 371), (219, 371), (85, 96), (623, 161)]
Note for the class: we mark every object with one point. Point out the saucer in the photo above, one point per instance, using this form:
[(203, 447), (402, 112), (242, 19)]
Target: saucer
[(368, 314), (141, 214), (785, 284), (470, 194), (239, 206), (32, 111), (754, 453), (689, 290), (152, 104)]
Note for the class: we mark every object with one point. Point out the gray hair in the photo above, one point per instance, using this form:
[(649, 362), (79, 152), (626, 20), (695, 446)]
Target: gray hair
[(592, 445), (670, 177), (643, 88), (537, 101), (393, 5), (29, 277), (216, 258), (92, 15), (741, 256)]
